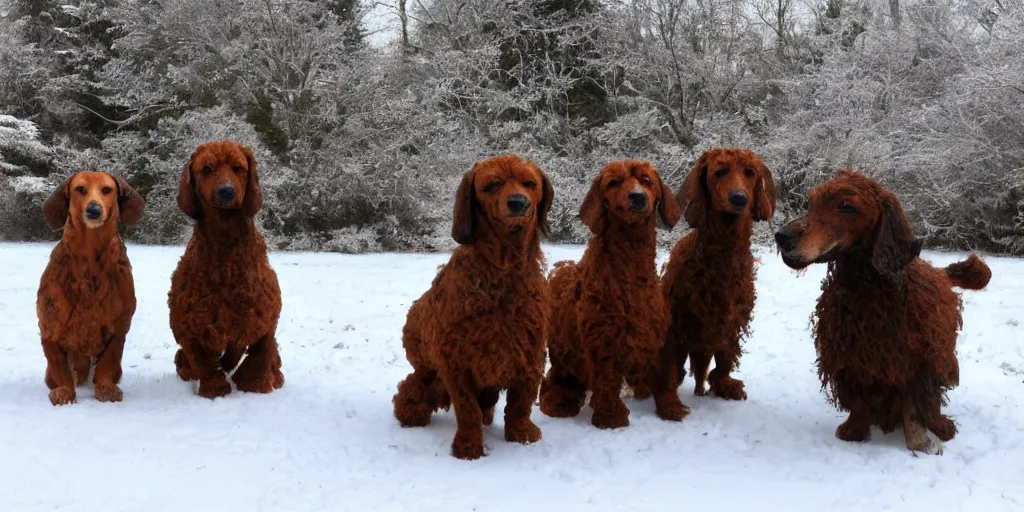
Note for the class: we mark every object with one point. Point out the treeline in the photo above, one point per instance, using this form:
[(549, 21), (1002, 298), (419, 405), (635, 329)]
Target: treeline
[(361, 147)]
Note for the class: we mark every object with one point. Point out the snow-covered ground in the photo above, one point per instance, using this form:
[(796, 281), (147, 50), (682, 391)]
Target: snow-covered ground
[(328, 440)]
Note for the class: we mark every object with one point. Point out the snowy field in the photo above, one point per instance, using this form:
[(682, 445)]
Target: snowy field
[(328, 440)]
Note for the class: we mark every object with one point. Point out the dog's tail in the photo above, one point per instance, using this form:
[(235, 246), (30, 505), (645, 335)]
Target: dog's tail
[(970, 274)]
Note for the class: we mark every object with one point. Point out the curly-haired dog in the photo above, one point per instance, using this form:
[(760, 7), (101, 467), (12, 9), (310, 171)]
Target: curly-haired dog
[(609, 318), (224, 300), (481, 326), (86, 296), (709, 278), (886, 323)]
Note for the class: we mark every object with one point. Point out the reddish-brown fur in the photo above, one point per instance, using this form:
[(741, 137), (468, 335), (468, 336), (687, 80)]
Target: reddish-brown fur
[(709, 278), (481, 326), (225, 300), (86, 296), (608, 318), (886, 323)]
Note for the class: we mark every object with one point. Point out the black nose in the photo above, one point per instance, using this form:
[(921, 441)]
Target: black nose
[(784, 241), (637, 200), (518, 204), (93, 210), (738, 198), (226, 193)]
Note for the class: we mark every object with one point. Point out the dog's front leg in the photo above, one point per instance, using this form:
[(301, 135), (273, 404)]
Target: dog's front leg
[(469, 436), (518, 406), (58, 374), (108, 371), (204, 365)]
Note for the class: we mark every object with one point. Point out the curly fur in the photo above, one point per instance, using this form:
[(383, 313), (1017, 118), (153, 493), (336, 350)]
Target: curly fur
[(86, 297), (224, 299), (708, 281), (609, 318), (886, 323), (481, 326)]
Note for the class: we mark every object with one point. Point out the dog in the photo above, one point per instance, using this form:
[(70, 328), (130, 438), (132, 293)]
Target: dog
[(708, 280), (609, 318), (86, 297), (886, 323), (225, 300), (482, 325)]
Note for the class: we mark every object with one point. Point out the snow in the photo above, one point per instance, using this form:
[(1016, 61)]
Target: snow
[(328, 440)]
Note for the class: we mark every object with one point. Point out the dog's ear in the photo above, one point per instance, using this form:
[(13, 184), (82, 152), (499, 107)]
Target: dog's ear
[(693, 197), (764, 195), (188, 199), (253, 200), (130, 203), (593, 211), (55, 207), (545, 205), (464, 217), (895, 245), (668, 207)]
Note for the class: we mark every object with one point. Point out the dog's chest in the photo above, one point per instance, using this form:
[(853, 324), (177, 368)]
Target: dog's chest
[(80, 308)]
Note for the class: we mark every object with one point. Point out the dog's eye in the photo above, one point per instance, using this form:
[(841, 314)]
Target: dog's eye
[(80, 189), (106, 190), (207, 170), (722, 172), (493, 187), (614, 183), (748, 173), (530, 184), (846, 207), (237, 169), (645, 180)]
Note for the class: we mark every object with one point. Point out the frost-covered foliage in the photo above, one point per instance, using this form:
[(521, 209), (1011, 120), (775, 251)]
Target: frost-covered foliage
[(361, 147)]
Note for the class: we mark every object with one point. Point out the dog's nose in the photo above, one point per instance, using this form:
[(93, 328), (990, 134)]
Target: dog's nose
[(784, 240), (637, 200), (93, 211), (226, 193), (738, 198), (518, 204)]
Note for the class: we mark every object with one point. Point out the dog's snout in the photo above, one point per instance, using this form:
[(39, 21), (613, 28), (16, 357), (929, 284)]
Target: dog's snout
[(637, 200), (784, 240), (226, 193), (93, 211), (738, 198), (518, 204)]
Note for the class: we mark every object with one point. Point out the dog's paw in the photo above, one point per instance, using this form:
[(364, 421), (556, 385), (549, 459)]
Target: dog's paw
[(525, 433), (62, 396), (468, 447), (183, 368), (258, 384), (729, 389), (108, 393), (278, 379), (852, 433), (673, 411), (214, 388), (609, 421)]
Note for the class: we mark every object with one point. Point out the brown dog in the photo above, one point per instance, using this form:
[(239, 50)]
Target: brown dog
[(609, 319), (86, 296), (886, 322), (709, 278), (225, 300), (481, 326)]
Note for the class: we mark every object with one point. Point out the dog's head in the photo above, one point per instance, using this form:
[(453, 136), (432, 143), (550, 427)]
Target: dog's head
[(850, 214), (507, 193), (728, 180), (93, 199), (220, 175), (628, 191)]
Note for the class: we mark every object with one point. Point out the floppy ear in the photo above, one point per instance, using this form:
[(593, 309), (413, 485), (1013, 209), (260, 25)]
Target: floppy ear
[(464, 218), (764, 196), (129, 202), (592, 211), (55, 207), (693, 195), (895, 245), (188, 200), (253, 200), (668, 207), (545, 205)]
